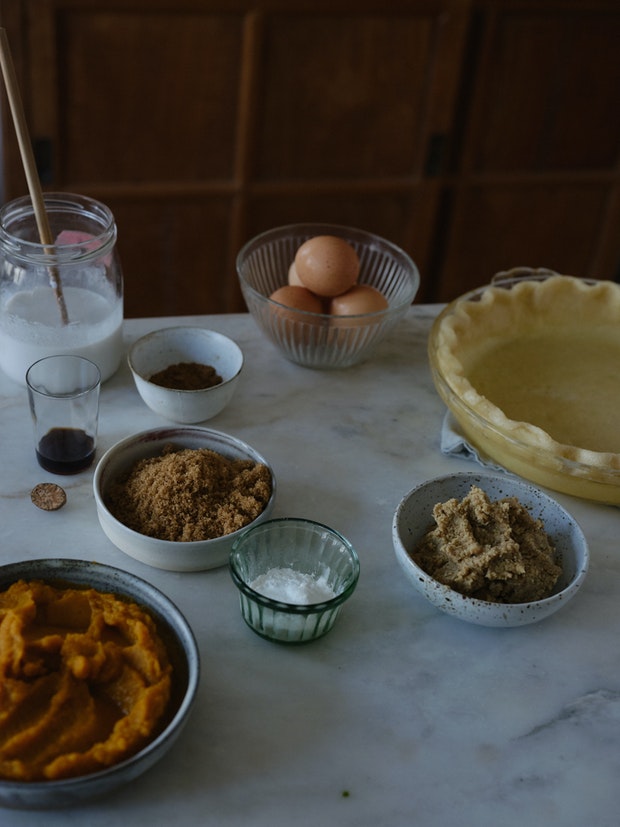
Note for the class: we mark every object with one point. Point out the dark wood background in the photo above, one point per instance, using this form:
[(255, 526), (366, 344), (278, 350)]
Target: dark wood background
[(477, 134)]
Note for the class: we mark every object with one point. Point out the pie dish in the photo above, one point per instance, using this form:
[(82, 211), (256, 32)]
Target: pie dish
[(528, 366)]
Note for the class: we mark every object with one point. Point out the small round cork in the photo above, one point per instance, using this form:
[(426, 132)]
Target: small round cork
[(48, 496)]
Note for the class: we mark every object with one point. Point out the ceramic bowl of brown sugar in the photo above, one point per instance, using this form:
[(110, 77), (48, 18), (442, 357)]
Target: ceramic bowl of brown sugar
[(176, 498), (185, 374)]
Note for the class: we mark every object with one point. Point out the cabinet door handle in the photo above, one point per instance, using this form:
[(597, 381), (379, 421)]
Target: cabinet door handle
[(42, 149), (435, 153)]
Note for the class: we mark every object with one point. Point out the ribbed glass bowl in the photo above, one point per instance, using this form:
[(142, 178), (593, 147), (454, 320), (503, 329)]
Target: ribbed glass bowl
[(306, 547), (318, 340)]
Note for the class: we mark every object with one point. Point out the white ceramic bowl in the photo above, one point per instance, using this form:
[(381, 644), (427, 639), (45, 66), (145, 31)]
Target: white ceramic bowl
[(318, 340), (195, 555), (183, 654), (158, 350), (414, 517)]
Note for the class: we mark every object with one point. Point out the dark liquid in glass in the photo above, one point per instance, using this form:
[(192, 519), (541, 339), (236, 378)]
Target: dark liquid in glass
[(65, 450)]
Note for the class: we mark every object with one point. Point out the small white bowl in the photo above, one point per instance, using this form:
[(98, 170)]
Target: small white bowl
[(194, 555), (414, 517), (182, 651), (171, 345)]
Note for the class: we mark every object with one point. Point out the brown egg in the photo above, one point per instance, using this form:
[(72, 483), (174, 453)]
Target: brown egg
[(293, 276), (362, 298), (297, 298), (327, 265)]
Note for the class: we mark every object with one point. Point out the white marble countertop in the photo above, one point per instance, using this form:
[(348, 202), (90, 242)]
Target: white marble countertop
[(401, 715)]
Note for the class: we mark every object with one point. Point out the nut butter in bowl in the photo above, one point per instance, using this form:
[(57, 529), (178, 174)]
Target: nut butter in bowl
[(489, 549)]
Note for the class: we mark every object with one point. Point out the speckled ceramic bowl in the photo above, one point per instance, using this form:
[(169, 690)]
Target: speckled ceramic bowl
[(414, 517), (194, 555), (183, 654), (173, 345)]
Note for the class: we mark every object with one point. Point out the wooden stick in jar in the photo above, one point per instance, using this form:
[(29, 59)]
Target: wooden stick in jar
[(28, 161)]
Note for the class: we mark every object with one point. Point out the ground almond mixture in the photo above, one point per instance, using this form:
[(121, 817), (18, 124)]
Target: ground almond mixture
[(190, 494), (493, 551)]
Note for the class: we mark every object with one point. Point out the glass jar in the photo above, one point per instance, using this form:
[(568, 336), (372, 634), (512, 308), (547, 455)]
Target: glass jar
[(67, 298)]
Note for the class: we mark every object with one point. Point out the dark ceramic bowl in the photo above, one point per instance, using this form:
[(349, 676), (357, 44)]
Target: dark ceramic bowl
[(182, 651)]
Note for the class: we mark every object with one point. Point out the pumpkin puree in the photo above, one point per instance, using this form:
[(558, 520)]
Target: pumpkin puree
[(84, 681)]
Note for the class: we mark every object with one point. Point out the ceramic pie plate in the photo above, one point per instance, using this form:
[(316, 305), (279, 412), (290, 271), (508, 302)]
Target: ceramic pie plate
[(528, 366)]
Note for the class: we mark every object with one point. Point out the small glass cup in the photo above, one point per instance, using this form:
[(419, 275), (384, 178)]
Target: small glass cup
[(63, 392), (293, 547)]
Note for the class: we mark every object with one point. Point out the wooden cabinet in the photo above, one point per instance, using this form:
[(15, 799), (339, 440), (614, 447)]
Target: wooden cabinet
[(477, 135), (536, 167)]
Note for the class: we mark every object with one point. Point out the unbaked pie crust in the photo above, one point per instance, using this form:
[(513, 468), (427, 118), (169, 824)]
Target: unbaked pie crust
[(540, 362)]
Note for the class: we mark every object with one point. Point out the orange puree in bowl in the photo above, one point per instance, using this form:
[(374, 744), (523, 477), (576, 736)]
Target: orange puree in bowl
[(84, 680)]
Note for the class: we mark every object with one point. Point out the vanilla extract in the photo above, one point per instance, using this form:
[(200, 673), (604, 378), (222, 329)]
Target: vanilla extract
[(65, 450)]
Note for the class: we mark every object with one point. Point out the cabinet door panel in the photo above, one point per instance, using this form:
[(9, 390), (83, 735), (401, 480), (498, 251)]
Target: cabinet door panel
[(538, 164), (174, 254), (496, 227), (547, 91), (146, 97), (344, 96)]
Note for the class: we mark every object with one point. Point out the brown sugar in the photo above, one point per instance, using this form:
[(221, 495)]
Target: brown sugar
[(190, 494), (494, 551), (187, 376)]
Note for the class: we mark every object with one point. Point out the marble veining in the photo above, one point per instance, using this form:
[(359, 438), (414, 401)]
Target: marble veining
[(401, 715)]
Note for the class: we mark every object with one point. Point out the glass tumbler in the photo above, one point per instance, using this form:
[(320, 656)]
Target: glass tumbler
[(63, 393), (60, 299)]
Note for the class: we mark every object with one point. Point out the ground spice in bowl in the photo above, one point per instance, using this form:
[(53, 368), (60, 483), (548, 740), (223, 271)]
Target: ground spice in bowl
[(187, 376)]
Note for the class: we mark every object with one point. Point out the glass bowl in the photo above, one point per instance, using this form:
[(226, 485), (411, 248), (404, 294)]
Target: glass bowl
[(318, 340), (414, 517), (525, 446), (293, 576)]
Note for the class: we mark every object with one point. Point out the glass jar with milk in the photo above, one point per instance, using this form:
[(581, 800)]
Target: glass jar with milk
[(67, 298)]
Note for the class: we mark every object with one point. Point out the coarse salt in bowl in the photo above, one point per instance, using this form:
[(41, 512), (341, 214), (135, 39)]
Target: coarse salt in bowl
[(293, 576)]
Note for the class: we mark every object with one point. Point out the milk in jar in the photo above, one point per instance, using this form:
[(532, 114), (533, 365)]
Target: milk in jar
[(65, 299)]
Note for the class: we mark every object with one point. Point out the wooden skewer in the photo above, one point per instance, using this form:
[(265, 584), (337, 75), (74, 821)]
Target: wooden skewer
[(28, 161)]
